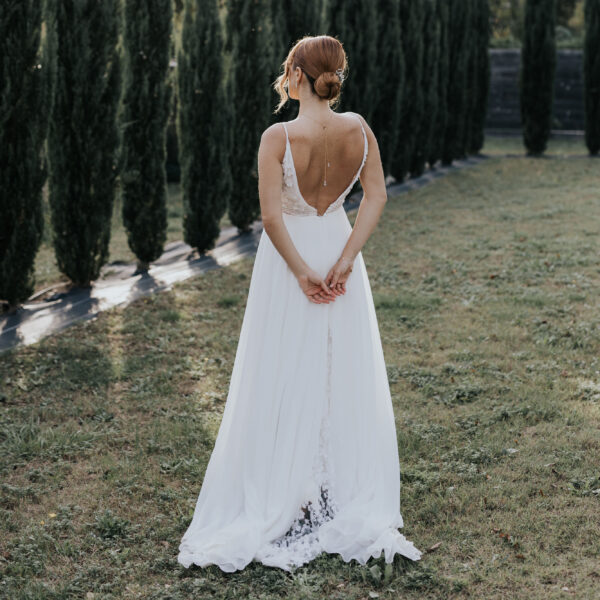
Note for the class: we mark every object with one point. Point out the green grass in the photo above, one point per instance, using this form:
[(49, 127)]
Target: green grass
[(486, 285)]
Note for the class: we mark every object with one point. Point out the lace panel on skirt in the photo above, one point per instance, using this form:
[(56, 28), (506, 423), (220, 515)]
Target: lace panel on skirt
[(300, 544)]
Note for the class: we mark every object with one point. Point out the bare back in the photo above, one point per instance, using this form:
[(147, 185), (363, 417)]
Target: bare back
[(306, 153)]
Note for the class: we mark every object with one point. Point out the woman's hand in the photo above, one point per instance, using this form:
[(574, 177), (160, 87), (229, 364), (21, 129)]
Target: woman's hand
[(315, 288), (338, 275)]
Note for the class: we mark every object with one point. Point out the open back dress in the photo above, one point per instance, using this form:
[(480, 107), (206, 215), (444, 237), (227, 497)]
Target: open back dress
[(306, 457)]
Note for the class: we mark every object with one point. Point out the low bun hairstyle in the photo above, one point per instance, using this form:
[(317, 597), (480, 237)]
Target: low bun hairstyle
[(327, 85), (323, 60)]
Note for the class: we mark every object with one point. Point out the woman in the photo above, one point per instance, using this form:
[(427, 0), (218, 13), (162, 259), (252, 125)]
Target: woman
[(306, 457)]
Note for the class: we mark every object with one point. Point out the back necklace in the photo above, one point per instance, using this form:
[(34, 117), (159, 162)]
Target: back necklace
[(326, 159)]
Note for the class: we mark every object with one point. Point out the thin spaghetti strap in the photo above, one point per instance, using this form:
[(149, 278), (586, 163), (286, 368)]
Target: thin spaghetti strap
[(366, 141), (287, 139), (360, 122)]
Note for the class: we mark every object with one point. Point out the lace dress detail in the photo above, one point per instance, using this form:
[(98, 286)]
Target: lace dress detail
[(300, 544), (291, 199)]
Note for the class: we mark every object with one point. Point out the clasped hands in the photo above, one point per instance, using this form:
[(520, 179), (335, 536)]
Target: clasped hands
[(324, 290)]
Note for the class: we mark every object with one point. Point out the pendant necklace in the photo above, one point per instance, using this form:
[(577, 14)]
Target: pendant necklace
[(326, 157)]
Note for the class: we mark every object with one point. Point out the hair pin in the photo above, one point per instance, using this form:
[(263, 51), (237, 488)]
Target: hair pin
[(340, 74)]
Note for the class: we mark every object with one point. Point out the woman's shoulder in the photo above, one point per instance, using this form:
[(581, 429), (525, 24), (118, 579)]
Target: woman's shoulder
[(274, 136), (273, 140), (358, 116), (274, 131)]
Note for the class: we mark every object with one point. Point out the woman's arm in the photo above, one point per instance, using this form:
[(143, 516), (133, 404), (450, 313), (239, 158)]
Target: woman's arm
[(270, 176), (371, 206), (374, 197)]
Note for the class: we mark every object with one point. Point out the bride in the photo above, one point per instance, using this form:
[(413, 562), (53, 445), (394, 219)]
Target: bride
[(306, 457)]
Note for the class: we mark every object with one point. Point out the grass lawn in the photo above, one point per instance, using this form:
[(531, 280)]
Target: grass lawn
[(486, 284)]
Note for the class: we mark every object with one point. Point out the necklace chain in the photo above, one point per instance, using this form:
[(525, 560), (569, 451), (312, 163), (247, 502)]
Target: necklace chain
[(313, 119), (326, 158)]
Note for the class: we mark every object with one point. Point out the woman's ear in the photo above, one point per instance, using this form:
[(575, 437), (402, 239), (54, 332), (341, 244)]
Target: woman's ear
[(299, 74)]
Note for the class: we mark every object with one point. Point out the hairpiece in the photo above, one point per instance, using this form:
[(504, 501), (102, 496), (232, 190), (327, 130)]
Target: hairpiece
[(340, 74)]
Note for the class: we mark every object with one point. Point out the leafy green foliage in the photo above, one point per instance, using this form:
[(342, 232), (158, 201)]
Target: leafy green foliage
[(536, 76), (390, 74), (143, 119), (110, 526), (442, 27), (26, 80), (204, 125), (251, 72), (480, 75), (430, 83), (459, 52), (83, 135), (355, 25), (591, 75), (411, 18)]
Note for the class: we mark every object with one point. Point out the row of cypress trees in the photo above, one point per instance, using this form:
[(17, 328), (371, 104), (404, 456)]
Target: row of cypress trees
[(538, 69), (417, 108), (68, 94), (419, 77), (103, 96), (103, 109)]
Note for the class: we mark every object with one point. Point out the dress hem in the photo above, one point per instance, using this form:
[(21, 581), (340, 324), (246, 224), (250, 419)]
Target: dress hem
[(400, 545)]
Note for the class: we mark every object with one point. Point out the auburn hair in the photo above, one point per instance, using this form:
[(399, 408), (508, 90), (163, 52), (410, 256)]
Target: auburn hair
[(319, 57)]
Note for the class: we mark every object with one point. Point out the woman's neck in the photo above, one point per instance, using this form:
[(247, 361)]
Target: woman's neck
[(316, 109)]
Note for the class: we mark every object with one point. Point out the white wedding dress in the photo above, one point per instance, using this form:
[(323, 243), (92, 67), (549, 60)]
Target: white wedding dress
[(306, 457)]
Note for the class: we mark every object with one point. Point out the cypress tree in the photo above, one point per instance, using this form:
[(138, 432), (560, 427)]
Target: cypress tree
[(144, 115), (458, 40), (83, 136), (355, 25), (431, 39), (292, 20), (481, 26), (471, 78), (439, 127), (250, 77), (411, 18), (203, 124), (390, 77), (591, 75), (536, 76), (24, 85), (280, 46)]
